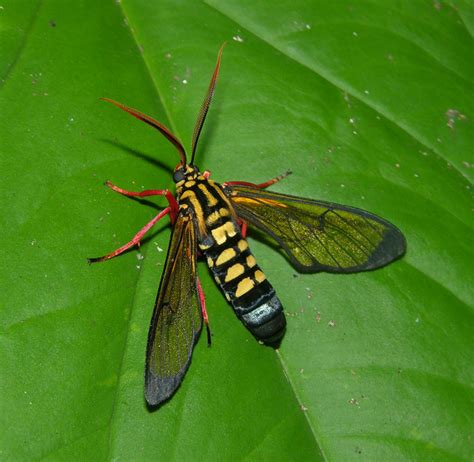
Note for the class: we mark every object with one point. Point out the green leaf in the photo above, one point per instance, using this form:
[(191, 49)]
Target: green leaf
[(370, 104)]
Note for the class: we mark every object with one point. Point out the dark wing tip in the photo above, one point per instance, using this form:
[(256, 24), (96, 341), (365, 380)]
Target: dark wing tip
[(393, 246), (159, 389)]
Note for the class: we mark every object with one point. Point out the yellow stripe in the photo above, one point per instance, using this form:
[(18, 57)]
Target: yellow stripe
[(251, 261), (220, 234), (244, 286), (234, 272), (211, 200), (213, 217), (210, 262), (197, 209), (242, 245), (259, 276), (190, 183), (225, 256), (219, 192), (251, 202)]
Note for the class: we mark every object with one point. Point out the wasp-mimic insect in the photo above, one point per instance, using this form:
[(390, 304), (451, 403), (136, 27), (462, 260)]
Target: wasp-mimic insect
[(211, 219)]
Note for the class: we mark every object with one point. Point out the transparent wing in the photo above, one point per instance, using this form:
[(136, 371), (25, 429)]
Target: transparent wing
[(177, 317), (317, 235)]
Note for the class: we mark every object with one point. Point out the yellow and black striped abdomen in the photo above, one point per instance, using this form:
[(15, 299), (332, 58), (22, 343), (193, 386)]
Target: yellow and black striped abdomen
[(246, 287), (230, 259)]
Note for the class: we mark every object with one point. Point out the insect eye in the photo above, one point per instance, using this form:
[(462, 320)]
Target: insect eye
[(178, 175)]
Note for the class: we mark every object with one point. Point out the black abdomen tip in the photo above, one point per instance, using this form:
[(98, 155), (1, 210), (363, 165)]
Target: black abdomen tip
[(272, 332), (267, 322)]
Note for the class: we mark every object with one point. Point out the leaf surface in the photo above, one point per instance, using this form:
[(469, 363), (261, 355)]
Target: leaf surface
[(369, 105)]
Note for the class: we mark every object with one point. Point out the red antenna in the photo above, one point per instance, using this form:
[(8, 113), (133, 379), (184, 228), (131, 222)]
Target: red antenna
[(154, 123)]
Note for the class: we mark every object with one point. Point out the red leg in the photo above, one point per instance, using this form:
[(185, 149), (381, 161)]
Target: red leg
[(243, 228), (204, 312), (206, 174), (136, 239), (150, 192), (261, 185)]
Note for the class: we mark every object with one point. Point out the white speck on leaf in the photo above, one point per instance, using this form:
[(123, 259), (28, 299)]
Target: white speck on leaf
[(453, 115), (238, 38)]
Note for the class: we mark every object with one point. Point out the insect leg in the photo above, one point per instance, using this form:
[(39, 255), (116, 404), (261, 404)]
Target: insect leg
[(204, 312), (150, 192), (261, 185), (135, 241), (274, 180), (206, 174), (243, 228)]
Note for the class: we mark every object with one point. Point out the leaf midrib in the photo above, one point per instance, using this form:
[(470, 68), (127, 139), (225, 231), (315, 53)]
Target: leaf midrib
[(174, 130)]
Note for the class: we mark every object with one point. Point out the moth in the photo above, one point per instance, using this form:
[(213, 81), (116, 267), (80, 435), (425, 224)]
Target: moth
[(210, 219)]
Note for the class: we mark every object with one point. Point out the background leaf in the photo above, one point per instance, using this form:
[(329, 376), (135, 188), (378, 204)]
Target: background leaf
[(370, 104)]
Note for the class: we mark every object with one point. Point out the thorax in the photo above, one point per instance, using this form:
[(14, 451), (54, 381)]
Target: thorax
[(214, 215)]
